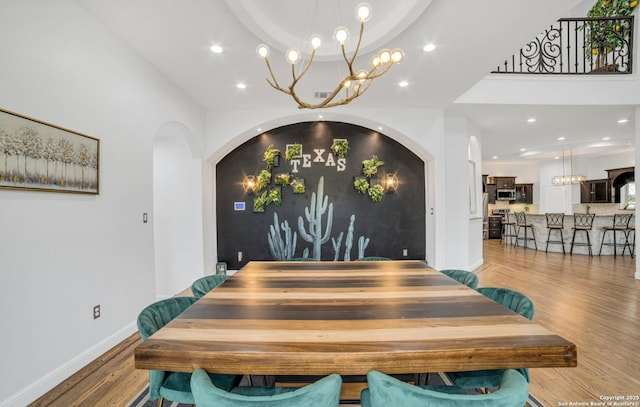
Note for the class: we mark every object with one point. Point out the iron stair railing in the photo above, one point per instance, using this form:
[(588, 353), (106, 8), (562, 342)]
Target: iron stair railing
[(601, 45)]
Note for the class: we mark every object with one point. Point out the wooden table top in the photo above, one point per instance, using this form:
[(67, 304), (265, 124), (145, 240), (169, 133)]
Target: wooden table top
[(348, 318)]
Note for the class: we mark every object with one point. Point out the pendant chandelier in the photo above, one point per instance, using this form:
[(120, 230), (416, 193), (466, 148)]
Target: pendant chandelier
[(570, 179), (354, 84)]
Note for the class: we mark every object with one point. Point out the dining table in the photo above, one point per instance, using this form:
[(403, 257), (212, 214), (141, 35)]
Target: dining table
[(349, 317)]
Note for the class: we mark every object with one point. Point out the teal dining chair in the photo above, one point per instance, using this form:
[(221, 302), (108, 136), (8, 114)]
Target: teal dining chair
[(173, 386), (462, 276), (384, 391), (203, 285), (322, 393), (516, 302)]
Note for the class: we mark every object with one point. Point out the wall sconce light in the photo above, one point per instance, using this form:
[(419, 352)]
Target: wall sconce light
[(391, 183), (249, 183)]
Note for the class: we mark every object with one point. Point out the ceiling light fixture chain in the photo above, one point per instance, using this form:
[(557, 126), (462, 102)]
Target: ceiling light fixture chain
[(354, 84)]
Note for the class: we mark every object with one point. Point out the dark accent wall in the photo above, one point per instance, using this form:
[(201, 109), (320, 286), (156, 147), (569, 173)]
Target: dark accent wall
[(392, 225)]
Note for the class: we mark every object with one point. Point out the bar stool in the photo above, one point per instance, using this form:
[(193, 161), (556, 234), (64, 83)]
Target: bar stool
[(509, 229), (631, 231), (620, 224), (555, 222), (521, 223), (582, 222)]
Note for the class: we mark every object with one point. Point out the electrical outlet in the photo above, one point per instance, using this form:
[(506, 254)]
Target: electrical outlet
[(239, 256), (145, 217), (405, 252), (96, 312)]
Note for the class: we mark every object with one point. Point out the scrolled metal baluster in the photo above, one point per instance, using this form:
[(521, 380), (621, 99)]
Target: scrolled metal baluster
[(551, 50), (567, 47)]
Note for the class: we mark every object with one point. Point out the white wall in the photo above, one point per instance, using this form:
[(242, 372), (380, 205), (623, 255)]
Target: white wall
[(595, 167), (555, 198), (177, 202), (61, 254)]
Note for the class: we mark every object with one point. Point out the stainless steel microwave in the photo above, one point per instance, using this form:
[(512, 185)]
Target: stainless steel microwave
[(506, 195)]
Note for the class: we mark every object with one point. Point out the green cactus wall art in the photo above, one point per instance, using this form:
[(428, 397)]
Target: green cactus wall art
[(281, 249), (363, 242), (336, 246), (348, 243), (313, 214)]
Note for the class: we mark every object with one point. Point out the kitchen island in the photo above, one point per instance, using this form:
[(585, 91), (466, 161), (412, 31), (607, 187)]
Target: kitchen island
[(539, 223)]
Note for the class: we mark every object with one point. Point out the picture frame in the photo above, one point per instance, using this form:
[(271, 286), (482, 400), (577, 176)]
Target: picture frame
[(39, 156)]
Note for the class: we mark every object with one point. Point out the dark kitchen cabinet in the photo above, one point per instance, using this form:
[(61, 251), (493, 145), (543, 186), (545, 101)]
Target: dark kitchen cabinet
[(595, 191), (505, 182), (524, 193), (491, 193), (495, 227)]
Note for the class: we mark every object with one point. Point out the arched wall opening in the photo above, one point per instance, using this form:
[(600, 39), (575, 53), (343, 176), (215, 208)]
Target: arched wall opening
[(477, 202), (320, 203), (177, 209), (412, 143)]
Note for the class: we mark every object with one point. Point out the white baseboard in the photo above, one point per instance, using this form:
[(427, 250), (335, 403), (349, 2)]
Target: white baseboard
[(476, 264), (38, 388)]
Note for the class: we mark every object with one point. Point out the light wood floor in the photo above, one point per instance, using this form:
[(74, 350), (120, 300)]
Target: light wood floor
[(593, 302)]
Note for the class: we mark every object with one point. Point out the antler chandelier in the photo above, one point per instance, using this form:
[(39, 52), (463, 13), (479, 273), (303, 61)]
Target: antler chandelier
[(353, 84)]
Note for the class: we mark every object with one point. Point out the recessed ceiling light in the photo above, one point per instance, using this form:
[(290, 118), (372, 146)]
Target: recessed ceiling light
[(320, 116), (380, 128), (606, 138), (241, 85), (556, 158), (561, 138), (259, 129), (216, 49), (523, 149), (531, 120), (429, 47), (495, 157), (621, 121), (403, 84)]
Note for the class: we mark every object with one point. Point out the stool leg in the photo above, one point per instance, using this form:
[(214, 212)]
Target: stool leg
[(589, 243), (561, 239), (504, 233), (604, 234), (573, 239), (533, 234), (626, 242)]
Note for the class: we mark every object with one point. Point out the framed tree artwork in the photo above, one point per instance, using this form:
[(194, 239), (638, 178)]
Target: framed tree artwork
[(39, 156)]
